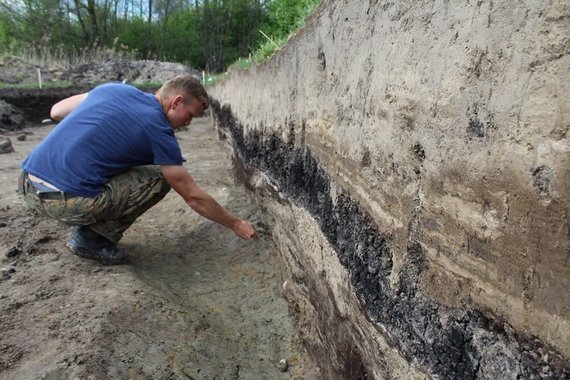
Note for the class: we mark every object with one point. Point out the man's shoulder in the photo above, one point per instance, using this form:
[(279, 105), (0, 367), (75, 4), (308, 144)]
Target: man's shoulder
[(120, 93)]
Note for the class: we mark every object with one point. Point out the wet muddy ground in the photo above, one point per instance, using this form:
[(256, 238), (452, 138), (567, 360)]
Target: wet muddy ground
[(195, 301)]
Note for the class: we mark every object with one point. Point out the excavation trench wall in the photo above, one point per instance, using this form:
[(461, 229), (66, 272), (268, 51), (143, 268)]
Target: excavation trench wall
[(36, 103), (412, 160)]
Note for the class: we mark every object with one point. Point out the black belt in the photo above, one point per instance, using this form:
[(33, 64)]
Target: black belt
[(50, 195)]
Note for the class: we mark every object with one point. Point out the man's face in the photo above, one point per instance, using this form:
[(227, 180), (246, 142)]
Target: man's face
[(182, 111)]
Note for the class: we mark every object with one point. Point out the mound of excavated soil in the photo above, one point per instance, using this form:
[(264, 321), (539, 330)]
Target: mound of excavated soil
[(14, 70), (35, 103), (136, 72)]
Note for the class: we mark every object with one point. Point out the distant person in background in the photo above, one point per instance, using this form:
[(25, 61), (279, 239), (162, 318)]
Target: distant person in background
[(112, 157)]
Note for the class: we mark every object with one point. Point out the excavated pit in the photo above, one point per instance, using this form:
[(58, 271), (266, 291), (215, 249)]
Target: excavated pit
[(409, 161), (36, 103)]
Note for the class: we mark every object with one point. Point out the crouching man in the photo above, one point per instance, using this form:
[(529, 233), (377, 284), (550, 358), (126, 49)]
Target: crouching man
[(112, 157)]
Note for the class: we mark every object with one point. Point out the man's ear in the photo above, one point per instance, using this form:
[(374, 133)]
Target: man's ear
[(178, 100)]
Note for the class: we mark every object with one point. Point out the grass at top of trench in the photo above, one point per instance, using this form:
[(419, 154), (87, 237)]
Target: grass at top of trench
[(32, 85), (146, 86), (265, 50), (262, 54)]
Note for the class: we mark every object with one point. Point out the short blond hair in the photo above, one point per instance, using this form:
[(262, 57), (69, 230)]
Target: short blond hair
[(189, 85)]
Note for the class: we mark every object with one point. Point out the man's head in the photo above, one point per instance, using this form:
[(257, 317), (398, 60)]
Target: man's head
[(182, 98)]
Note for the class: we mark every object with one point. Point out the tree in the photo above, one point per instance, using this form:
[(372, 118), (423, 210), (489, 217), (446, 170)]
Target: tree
[(208, 34), (182, 38), (165, 9)]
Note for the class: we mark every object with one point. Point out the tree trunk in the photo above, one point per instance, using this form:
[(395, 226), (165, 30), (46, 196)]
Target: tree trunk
[(149, 31), (93, 21), (105, 21), (164, 25), (86, 36)]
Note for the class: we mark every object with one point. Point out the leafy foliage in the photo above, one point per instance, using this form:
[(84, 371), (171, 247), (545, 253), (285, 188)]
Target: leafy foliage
[(3, 33), (206, 34), (286, 16)]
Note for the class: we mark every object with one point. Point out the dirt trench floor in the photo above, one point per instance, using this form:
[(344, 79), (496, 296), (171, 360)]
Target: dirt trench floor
[(195, 301)]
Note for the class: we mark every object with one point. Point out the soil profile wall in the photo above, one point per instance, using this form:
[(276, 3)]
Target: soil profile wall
[(412, 158)]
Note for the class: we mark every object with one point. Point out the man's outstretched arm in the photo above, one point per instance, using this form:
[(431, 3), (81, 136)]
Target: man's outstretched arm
[(182, 182), (64, 107)]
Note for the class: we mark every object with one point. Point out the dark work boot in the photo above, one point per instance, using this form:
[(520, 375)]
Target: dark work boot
[(90, 245)]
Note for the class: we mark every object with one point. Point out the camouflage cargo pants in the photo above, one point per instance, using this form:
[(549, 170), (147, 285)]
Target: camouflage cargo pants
[(123, 199)]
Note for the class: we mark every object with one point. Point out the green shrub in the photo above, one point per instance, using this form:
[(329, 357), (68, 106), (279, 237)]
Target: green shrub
[(268, 47), (285, 18)]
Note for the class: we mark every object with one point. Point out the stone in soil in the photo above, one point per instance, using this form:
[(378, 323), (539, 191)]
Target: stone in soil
[(6, 145), (13, 252), (11, 118)]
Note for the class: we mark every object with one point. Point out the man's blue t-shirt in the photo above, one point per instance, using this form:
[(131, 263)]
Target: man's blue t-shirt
[(115, 128)]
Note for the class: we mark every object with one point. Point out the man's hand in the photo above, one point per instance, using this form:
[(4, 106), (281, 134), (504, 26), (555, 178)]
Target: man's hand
[(244, 230)]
